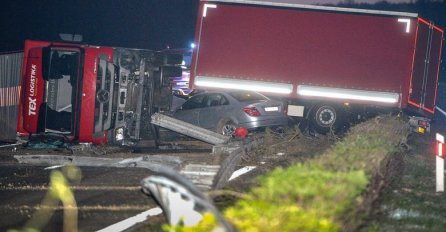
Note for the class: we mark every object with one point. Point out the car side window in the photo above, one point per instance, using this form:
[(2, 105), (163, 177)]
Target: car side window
[(194, 102), (216, 100)]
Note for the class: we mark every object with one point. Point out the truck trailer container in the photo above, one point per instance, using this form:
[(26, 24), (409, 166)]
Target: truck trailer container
[(319, 58), (84, 93)]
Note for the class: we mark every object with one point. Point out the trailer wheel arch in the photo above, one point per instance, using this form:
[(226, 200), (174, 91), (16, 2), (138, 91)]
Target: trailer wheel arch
[(325, 117)]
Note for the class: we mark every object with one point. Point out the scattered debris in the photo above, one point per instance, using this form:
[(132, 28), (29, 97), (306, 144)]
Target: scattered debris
[(241, 171)]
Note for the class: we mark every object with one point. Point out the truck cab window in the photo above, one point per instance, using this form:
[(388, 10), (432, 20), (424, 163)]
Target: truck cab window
[(61, 85)]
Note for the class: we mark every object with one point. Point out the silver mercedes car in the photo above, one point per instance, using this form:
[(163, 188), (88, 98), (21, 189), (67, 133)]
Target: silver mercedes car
[(224, 111)]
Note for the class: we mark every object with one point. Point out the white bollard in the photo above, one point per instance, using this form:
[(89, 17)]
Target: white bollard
[(440, 164), (440, 174)]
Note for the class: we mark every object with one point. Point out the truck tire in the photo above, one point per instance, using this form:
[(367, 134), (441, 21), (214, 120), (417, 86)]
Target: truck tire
[(326, 117), (129, 60), (226, 127)]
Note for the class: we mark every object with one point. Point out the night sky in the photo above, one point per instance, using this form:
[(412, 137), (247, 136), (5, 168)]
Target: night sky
[(152, 24)]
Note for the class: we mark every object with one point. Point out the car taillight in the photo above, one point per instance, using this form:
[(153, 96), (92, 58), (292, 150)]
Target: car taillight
[(422, 123), (251, 111)]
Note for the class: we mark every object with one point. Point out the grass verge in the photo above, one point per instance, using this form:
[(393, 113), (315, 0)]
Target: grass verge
[(324, 193), (411, 204)]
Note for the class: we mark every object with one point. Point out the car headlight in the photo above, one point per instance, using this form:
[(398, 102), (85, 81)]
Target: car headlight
[(119, 134)]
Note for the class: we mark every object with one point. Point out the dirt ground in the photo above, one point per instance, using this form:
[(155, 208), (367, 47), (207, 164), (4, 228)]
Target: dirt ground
[(410, 202), (278, 150)]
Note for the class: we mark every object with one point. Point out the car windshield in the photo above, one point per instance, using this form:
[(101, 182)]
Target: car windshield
[(247, 96), (60, 91)]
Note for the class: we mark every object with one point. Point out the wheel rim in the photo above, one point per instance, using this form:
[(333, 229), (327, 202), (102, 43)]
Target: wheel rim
[(228, 129), (326, 116), (103, 96)]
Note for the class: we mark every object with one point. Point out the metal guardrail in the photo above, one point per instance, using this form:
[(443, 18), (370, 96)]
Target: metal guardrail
[(441, 100), (441, 111), (188, 129)]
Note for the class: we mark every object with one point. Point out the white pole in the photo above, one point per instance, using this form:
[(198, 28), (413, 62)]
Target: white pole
[(439, 163), (440, 174)]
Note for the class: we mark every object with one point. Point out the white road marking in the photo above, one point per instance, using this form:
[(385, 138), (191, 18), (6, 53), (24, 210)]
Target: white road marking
[(199, 173), (241, 171), (53, 167), (129, 222), (131, 160)]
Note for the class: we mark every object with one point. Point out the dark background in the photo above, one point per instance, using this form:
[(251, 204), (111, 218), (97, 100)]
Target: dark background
[(153, 24), (150, 24)]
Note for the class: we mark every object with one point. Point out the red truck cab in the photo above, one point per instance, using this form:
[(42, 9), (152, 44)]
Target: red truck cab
[(85, 93), (60, 88)]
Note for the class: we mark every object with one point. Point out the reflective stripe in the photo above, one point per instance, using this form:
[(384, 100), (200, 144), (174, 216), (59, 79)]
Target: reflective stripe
[(348, 94), (261, 86)]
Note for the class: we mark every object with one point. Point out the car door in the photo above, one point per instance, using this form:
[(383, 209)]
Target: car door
[(216, 107), (189, 111)]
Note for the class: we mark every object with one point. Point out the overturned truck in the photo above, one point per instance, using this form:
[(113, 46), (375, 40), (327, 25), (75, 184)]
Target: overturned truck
[(84, 93)]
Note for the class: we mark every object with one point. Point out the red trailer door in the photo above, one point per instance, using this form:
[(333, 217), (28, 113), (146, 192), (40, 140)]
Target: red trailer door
[(426, 65)]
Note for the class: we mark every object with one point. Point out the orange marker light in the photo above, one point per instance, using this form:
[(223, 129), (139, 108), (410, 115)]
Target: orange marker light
[(440, 144)]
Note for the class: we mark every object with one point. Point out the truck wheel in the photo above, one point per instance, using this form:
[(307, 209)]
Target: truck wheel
[(327, 117), (226, 127), (103, 96), (129, 60)]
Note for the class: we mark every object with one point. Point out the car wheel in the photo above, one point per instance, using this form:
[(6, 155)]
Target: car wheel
[(226, 127), (327, 117)]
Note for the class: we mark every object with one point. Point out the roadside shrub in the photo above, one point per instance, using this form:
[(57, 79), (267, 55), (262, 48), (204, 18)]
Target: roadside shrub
[(299, 198)]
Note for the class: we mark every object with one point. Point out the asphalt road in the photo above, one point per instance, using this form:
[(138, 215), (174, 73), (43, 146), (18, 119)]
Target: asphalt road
[(104, 196)]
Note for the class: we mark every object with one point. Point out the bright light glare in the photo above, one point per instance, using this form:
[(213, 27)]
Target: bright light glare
[(439, 137), (350, 94), (192, 45), (259, 86)]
